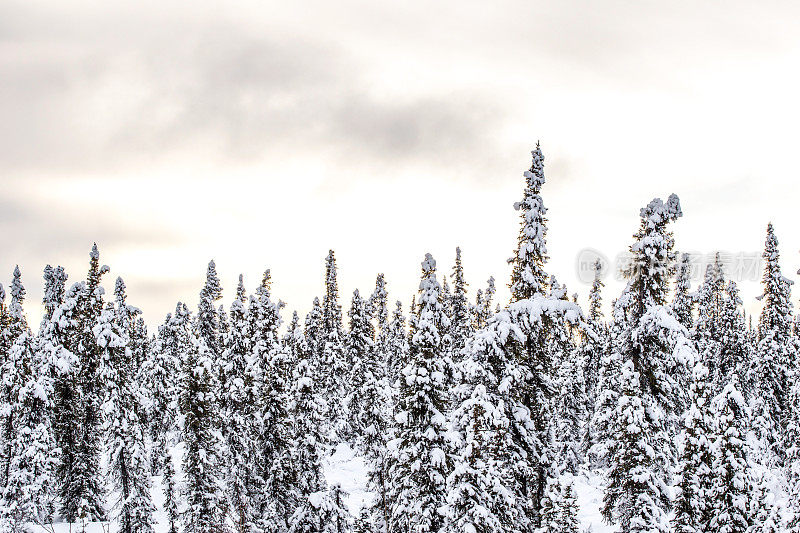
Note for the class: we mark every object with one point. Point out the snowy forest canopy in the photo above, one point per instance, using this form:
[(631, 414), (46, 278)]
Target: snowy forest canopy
[(471, 416)]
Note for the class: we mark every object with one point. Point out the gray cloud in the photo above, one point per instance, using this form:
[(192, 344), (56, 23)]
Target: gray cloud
[(224, 96), (30, 229)]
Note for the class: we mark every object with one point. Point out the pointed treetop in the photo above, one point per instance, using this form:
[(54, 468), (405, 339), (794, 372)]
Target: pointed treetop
[(119, 291), (528, 276), (241, 294), (17, 290), (212, 290), (595, 295), (653, 254), (266, 280), (2, 293), (94, 253), (429, 264)]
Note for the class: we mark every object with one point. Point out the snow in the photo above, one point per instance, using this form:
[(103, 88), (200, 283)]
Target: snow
[(350, 472)]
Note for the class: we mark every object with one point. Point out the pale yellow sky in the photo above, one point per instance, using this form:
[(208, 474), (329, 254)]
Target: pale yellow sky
[(261, 134)]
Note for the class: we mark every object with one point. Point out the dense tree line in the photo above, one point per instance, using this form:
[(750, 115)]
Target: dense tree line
[(472, 418)]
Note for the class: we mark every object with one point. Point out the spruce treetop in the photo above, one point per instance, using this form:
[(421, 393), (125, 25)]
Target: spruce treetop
[(212, 290), (776, 315), (652, 253), (528, 276), (332, 311)]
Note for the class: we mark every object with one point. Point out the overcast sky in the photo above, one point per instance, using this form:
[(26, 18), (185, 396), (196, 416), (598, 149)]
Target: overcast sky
[(261, 134)]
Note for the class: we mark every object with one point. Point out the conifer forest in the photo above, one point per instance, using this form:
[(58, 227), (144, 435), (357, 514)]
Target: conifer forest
[(456, 412)]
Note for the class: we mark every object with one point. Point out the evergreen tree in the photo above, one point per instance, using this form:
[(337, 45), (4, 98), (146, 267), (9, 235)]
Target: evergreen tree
[(397, 340), (322, 512), (693, 507), (593, 348), (201, 490), (170, 494), (239, 423), (479, 495), (602, 422), (570, 412), (421, 467), (273, 438), (769, 371), (683, 302), (128, 465), (333, 355), (483, 305), (734, 350), (637, 496), (306, 410), (559, 508), (159, 375), (707, 334), (528, 276), (314, 334), (461, 320), (82, 494), (198, 404), (654, 353), (208, 326), (522, 345), (731, 491), (379, 309), (366, 370), (27, 492)]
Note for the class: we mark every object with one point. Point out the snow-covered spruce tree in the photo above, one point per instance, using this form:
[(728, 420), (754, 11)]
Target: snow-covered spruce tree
[(461, 320), (27, 494), (770, 369), (306, 411), (483, 305), (792, 471), (333, 363), (202, 477), (307, 445), (565, 437), (170, 492), (14, 329), (479, 495), (655, 354), (239, 423), (683, 300), (207, 322), (82, 494), (379, 311), (692, 506), (734, 353), (369, 406), (528, 339), (602, 423), (593, 347), (314, 334), (397, 340), (559, 508), (421, 466), (366, 371), (273, 437), (637, 497), (128, 465), (159, 375), (528, 276), (323, 512), (732, 487), (570, 411), (706, 333), (54, 341), (202, 491)]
